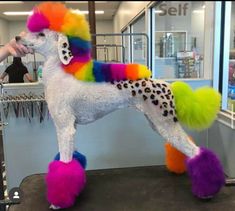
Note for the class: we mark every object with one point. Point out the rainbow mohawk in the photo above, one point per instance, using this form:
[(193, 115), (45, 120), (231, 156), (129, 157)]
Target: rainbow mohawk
[(55, 16)]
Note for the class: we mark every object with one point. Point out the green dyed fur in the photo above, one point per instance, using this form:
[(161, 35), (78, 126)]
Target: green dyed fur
[(196, 109)]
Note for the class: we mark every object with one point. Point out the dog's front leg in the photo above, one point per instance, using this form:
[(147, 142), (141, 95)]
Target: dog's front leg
[(66, 176)]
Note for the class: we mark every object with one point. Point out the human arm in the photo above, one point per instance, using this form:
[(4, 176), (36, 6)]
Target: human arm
[(4, 53), (28, 77), (13, 48), (4, 74)]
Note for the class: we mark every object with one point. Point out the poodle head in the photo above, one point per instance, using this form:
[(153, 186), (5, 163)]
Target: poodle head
[(48, 43), (53, 28)]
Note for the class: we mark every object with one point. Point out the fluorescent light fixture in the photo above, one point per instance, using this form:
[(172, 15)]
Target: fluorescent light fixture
[(18, 13), (11, 2), (85, 2), (86, 12), (198, 11), (30, 12), (75, 2), (158, 11)]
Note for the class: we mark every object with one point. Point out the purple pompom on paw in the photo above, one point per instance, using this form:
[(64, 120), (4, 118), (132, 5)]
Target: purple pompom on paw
[(206, 173), (64, 182)]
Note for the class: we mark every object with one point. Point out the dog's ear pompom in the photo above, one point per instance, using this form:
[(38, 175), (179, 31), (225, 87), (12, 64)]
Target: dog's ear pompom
[(64, 51)]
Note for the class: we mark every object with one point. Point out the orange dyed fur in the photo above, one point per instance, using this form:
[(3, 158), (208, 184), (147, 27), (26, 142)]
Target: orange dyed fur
[(54, 12), (175, 160)]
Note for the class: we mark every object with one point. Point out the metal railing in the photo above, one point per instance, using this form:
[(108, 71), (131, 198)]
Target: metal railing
[(131, 35)]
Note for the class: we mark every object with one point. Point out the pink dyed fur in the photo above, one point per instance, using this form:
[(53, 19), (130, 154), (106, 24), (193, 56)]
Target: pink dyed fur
[(37, 22), (64, 182), (118, 71)]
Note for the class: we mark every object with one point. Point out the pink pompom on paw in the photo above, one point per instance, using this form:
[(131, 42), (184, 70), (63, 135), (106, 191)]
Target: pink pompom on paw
[(65, 181)]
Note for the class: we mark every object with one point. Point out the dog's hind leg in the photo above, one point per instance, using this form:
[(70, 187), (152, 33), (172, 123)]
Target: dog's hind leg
[(203, 166), (173, 133), (66, 176)]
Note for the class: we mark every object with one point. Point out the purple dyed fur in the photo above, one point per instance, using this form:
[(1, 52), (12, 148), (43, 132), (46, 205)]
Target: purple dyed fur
[(79, 51), (85, 58), (206, 173), (105, 68), (64, 182)]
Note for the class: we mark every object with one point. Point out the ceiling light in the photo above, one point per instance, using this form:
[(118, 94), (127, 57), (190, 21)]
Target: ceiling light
[(18, 13), (11, 2), (158, 11), (204, 6), (79, 2), (86, 12), (30, 12), (198, 11), (75, 2)]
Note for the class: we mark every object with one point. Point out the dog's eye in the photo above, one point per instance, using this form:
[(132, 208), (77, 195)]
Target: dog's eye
[(41, 34)]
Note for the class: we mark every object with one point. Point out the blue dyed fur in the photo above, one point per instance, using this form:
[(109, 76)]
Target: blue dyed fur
[(79, 43), (78, 156)]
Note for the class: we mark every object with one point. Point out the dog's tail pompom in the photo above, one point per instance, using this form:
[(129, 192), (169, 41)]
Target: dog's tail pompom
[(195, 109), (65, 181)]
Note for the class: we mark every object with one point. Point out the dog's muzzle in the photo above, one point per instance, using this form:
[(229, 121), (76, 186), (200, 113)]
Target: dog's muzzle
[(22, 41), (17, 38)]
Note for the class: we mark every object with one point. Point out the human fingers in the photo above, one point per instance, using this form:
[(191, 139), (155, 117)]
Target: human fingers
[(22, 48), (15, 52), (17, 48)]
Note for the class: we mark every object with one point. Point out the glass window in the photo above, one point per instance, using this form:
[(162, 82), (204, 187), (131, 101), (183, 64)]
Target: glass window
[(139, 41), (126, 45), (231, 71), (179, 39)]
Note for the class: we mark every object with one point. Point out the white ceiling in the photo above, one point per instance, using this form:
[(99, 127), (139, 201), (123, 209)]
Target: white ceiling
[(109, 8)]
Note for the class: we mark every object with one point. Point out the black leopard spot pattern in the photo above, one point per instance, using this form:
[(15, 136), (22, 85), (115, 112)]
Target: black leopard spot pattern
[(175, 119), (155, 102), (165, 113), (145, 97), (147, 90), (125, 85), (119, 86), (158, 93), (133, 93)]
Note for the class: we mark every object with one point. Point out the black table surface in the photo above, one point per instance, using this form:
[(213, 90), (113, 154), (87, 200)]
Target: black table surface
[(150, 188)]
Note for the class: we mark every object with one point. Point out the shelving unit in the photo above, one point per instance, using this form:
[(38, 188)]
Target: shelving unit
[(188, 65)]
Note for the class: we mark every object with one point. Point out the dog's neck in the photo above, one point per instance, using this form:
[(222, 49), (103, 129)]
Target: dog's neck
[(51, 67)]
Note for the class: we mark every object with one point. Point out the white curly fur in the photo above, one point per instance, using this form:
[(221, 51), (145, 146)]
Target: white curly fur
[(72, 102)]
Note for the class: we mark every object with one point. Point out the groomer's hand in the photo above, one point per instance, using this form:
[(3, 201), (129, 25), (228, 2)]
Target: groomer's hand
[(16, 49)]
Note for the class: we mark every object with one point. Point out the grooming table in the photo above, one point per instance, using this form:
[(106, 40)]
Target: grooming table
[(128, 189)]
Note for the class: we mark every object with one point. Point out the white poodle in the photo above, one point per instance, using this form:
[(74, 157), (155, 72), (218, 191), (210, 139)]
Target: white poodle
[(75, 99)]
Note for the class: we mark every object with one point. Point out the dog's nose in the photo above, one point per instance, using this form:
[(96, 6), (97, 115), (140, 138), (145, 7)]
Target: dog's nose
[(17, 38)]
